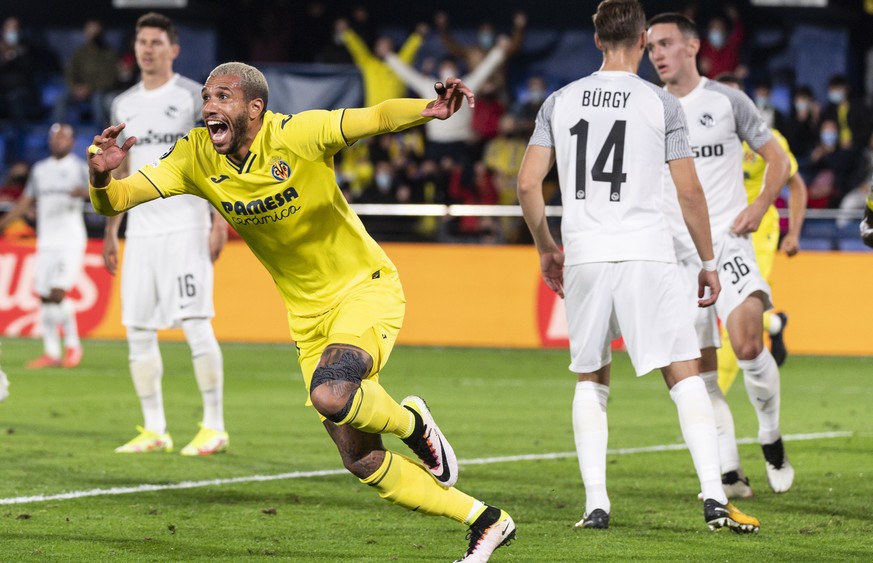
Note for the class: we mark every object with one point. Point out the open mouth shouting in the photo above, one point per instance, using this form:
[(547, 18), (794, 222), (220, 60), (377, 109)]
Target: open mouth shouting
[(219, 132)]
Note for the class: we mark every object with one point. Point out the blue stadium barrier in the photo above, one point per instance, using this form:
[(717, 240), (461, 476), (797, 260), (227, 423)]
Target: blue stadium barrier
[(816, 244), (819, 228), (854, 244)]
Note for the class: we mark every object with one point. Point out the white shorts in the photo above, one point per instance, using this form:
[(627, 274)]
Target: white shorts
[(166, 278), (635, 299), (57, 268), (705, 319), (740, 277)]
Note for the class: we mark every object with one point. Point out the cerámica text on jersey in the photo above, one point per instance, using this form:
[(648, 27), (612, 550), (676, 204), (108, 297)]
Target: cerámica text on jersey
[(599, 98), (256, 206)]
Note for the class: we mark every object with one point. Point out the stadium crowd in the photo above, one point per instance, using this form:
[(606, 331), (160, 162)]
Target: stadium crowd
[(471, 160)]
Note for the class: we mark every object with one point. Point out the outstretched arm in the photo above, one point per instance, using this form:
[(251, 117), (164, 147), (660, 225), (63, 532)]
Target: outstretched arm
[(399, 114), (108, 196)]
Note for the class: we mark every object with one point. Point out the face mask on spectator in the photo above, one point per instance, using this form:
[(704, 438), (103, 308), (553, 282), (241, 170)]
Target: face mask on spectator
[(801, 106), (536, 96), (383, 181), (11, 36), (716, 38), (762, 102), (836, 96), (829, 138), (486, 40)]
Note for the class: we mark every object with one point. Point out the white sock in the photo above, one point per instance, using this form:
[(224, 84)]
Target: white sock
[(208, 370), (591, 432), (69, 324), (50, 314), (697, 420), (728, 454), (147, 369), (761, 377)]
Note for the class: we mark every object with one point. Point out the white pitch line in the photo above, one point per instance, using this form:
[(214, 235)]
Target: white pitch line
[(330, 472)]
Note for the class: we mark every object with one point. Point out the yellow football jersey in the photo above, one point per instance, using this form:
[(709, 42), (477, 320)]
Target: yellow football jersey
[(285, 203), (753, 178)]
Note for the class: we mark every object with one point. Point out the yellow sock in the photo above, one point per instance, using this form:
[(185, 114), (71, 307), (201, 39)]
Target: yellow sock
[(408, 484), (767, 316), (374, 411), (727, 363)]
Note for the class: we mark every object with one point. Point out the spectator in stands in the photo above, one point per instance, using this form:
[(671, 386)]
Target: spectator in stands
[(17, 78), (473, 185), (529, 102), (503, 156), (380, 82), (486, 38), (487, 112), (832, 167), (801, 127), (451, 137), (13, 183), (848, 112), (91, 75), (720, 47), (763, 96)]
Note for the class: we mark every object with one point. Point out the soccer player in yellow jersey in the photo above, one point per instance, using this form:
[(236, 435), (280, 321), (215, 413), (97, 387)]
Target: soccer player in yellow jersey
[(271, 176), (766, 243)]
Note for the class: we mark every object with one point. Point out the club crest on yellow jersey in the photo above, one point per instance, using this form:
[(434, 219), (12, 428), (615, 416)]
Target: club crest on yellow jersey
[(280, 170)]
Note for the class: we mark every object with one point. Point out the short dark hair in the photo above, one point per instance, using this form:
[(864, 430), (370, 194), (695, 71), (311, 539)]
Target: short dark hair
[(619, 22), (684, 23), (838, 80), (252, 81), (804, 90), (160, 21)]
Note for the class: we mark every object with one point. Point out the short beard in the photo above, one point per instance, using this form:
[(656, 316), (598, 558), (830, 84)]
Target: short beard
[(240, 132)]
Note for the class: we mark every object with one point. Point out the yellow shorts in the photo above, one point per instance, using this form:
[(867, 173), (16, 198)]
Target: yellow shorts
[(766, 242), (369, 316)]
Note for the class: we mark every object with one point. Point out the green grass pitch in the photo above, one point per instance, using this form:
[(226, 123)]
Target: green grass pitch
[(59, 427)]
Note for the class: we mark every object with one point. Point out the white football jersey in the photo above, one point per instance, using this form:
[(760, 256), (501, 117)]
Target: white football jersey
[(158, 118), (719, 119), (59, 221), (612, 132)]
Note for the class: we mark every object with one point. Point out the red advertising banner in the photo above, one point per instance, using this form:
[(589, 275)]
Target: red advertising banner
[(19, 305), (458, 295)]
